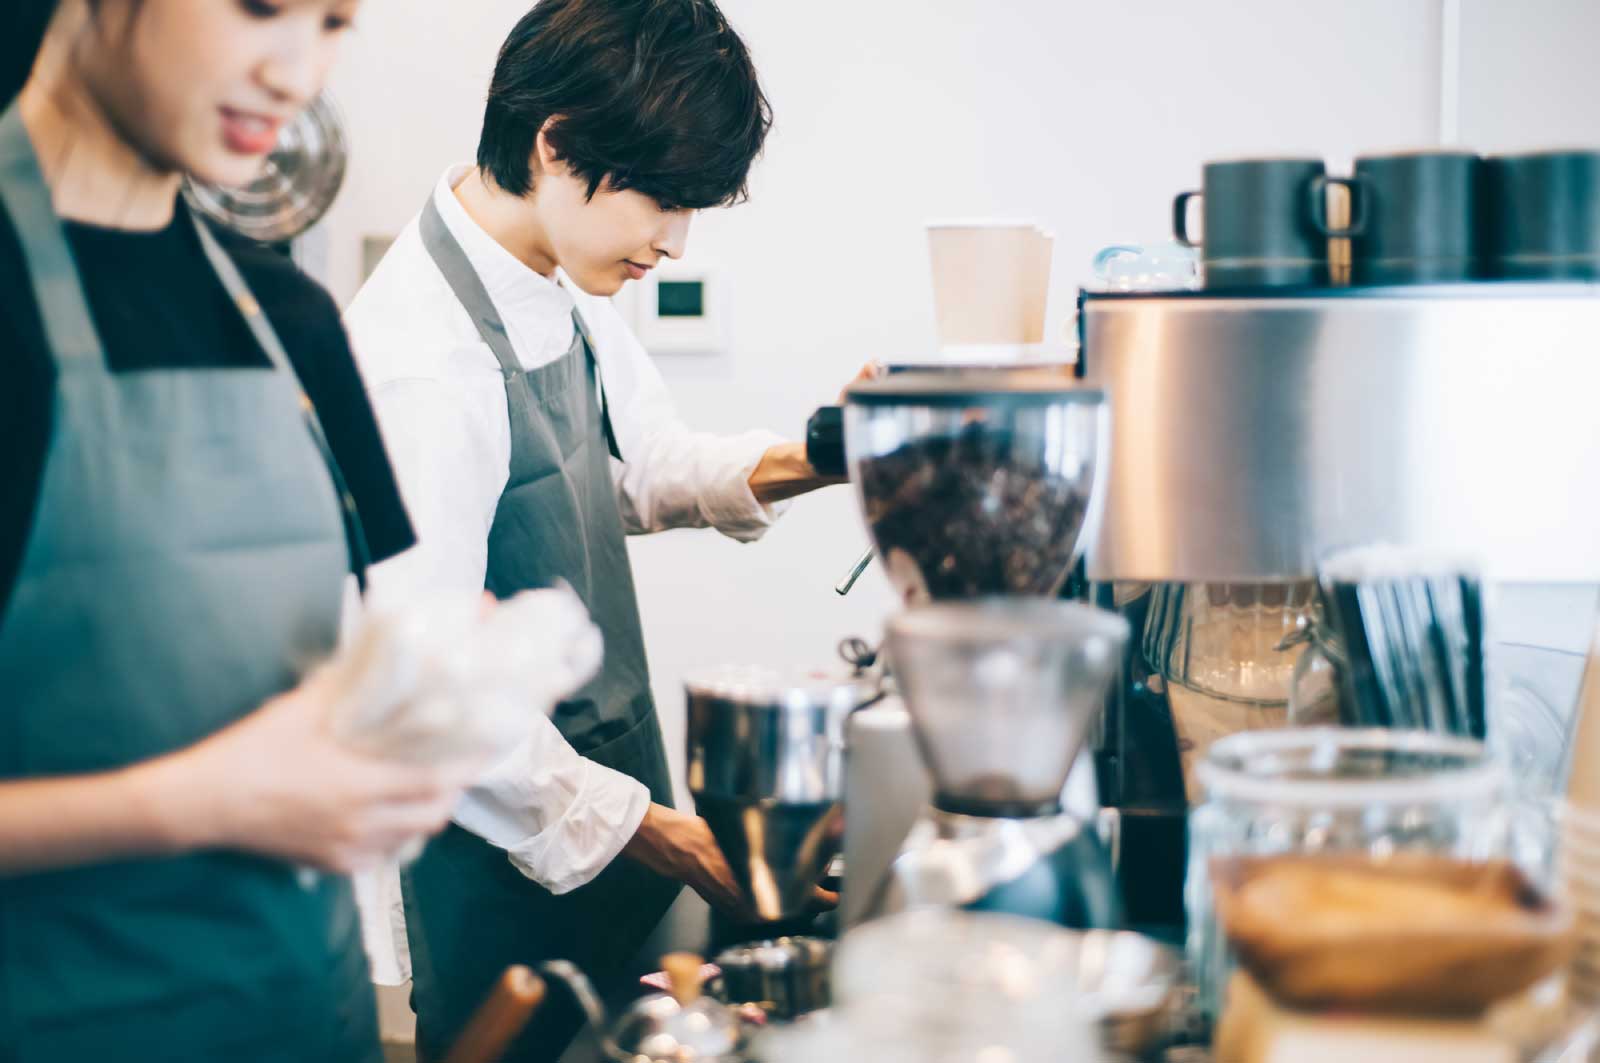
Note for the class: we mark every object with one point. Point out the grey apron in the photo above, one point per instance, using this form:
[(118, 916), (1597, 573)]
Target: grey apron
[(469, 913), (186, 563)]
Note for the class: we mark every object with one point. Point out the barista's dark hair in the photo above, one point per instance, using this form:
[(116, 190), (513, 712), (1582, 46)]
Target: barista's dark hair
[(658, 96)]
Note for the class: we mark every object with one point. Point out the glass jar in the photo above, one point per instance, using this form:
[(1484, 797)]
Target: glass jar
[(1228, 653), (1346, 791)]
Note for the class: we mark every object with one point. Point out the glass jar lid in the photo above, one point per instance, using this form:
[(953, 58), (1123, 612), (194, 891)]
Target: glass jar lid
[(1338, 767)]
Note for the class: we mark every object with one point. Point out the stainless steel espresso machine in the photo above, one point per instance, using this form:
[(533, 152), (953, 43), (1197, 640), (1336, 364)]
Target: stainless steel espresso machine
[(1254, 433)]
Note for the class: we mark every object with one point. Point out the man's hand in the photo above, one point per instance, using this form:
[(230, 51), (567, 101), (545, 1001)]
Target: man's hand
[(870, 371), (681, 847)]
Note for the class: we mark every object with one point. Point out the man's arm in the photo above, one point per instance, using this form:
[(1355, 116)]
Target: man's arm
[(784, 473)]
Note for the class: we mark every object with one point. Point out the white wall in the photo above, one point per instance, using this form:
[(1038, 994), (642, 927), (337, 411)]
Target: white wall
[(1529, 78)]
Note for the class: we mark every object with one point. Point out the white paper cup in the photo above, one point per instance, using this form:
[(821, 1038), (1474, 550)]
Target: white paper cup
[(991, 281)]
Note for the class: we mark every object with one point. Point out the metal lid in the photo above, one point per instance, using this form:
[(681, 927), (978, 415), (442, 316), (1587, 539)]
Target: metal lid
[(778, 954), (997, 619), (970, 387), (298, 182), (757, 686)]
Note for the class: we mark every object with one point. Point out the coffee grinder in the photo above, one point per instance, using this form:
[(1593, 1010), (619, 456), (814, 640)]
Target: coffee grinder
[(1001, 694), (977, 486)]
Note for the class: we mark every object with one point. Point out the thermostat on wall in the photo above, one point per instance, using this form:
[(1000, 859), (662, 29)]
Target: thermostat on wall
[(677, 311)]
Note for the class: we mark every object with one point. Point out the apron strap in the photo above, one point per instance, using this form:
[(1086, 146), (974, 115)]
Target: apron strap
[(239, 291), (468, 288), (464, 281), (68, 325), (600, 385)]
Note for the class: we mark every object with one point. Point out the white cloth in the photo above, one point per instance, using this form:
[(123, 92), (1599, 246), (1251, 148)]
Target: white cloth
[(440, 400)]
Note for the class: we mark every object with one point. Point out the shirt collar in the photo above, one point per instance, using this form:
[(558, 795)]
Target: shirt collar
[(538, 310)]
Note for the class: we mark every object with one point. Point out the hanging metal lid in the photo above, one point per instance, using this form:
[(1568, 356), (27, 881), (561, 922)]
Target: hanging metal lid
[(298, 182), (795, 690)]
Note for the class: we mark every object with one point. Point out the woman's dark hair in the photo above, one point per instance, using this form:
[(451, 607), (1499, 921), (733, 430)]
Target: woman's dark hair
[(658, 96), (22, 26)]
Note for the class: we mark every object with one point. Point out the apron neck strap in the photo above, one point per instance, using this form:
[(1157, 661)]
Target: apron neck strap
[(607, 428), (68, 325), (233, 283), (447, 254), (452, 261), (239, 291)]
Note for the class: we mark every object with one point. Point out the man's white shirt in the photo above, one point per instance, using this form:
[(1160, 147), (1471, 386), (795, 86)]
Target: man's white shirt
[(439, 396)]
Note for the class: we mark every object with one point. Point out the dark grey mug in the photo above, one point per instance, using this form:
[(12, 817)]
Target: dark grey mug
[(1541, 215), (1419, 212), (1264, 223)]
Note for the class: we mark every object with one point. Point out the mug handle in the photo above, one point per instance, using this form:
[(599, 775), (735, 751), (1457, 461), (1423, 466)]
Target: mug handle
[(1356, 186), (1180, 218), (1107, 255)]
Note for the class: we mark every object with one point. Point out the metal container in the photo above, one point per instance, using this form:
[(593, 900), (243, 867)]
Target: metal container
[(787, 977), (297, 184), (766, 767)]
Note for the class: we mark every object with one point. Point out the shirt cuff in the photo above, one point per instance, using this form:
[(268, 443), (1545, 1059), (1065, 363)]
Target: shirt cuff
[(600, 819), (730, 506)]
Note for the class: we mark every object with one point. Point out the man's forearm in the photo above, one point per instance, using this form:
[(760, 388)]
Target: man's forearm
[(785, 473), (679, 846)]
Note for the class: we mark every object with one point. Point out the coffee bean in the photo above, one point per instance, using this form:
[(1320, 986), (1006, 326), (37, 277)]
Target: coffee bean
[(973, 514)]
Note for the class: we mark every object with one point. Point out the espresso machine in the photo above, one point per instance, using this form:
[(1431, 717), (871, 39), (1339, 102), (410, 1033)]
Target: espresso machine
[(1254, 433)]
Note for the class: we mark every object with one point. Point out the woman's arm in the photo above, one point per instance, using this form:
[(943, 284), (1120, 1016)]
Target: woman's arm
[(275, 783), (63, 822)]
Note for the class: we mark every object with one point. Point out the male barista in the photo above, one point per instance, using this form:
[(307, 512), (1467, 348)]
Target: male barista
[(531, 433)]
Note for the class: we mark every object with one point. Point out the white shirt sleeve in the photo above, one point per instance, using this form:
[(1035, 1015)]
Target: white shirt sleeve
[(671, 476), (560, 818)]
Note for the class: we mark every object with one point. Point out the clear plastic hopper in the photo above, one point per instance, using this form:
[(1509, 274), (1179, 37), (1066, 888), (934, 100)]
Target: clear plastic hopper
[(1001, 695), (977, 482)]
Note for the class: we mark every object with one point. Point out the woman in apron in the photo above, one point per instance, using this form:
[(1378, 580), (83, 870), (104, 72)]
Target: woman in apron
[(175, 533)]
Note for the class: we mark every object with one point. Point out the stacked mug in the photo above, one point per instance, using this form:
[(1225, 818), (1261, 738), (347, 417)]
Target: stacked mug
[(1425, 217)]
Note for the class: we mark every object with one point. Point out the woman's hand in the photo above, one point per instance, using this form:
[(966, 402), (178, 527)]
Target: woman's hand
[(278, 783)]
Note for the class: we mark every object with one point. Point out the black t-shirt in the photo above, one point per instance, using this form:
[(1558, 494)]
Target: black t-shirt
[(156, 303)]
